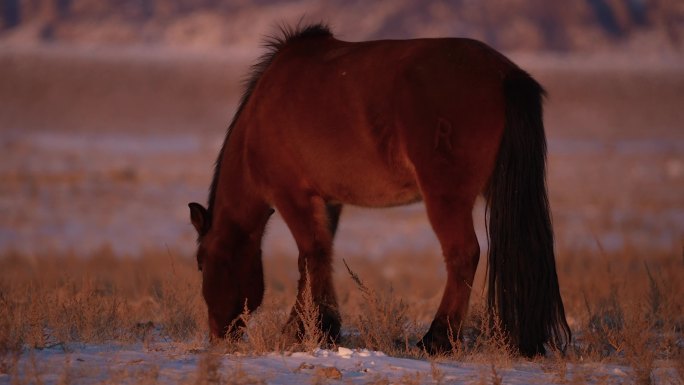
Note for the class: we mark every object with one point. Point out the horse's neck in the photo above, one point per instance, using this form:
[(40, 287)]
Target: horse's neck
[(237, 200)]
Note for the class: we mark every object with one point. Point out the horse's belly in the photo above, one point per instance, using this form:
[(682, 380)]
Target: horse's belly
[(365, 173), (372, 190), (384, 199)]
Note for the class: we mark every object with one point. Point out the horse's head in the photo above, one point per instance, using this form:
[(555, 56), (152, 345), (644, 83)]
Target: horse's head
[(229, 257)]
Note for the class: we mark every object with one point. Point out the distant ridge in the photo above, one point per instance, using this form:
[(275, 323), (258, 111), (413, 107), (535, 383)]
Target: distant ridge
[(591, 25)]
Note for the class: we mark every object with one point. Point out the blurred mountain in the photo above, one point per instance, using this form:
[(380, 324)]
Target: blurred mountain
[(521, 25)]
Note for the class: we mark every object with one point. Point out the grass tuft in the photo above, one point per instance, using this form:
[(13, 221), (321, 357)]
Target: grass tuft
[(310, 334), (383, 322)]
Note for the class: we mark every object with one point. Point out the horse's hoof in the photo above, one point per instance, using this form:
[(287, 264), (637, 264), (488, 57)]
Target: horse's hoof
[(434, 344), (331, 325)]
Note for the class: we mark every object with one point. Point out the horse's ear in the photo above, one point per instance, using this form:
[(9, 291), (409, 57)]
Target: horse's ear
[(199, 217)]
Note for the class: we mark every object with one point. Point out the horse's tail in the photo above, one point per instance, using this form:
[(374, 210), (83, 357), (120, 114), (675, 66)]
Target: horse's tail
[(522, 282)]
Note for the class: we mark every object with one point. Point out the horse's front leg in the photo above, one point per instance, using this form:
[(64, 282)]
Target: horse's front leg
[(307, 218)]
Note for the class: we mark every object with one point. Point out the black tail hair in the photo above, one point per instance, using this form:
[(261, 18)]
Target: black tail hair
[(522, 281)]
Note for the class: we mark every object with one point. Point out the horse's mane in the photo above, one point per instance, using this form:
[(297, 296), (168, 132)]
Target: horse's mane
[(273, 44)]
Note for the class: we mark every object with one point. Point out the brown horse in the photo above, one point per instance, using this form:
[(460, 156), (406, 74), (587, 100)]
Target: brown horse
[(325, 122)]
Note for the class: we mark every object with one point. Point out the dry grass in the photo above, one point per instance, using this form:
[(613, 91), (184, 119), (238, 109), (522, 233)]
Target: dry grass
[(382, 322), (49, 301), (310, 336), (621, 311)]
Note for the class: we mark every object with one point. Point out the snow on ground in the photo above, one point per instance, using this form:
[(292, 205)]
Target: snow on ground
[(172, 364), (80, 192)]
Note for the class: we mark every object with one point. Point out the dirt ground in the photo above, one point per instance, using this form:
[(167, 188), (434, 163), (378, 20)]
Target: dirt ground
[(104, 148)]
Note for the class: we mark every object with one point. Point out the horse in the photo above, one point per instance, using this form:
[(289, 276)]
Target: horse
[(324, 123)]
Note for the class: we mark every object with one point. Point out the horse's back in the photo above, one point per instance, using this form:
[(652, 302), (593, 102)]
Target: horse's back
[(344, 117)]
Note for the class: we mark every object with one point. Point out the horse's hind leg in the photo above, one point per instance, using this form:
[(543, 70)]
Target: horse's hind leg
[(449, 205), (307, 218)]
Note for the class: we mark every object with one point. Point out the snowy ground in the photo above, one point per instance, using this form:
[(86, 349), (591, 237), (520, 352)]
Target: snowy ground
[(100, 144), (173, 364), (78, 192)]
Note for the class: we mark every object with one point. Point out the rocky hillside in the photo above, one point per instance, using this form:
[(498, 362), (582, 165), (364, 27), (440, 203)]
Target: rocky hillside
[(524, 25)]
